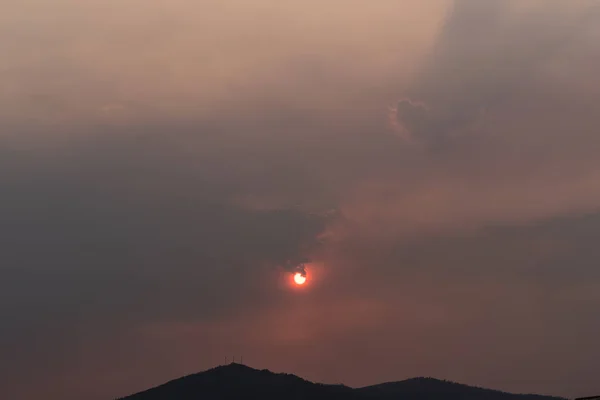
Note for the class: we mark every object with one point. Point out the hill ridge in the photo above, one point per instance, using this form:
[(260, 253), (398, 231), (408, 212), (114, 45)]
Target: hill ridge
[(450, 386), (239, 381)]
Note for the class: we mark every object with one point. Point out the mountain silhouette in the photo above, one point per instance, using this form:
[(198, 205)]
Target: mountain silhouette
[(430, 388), (236, 381)]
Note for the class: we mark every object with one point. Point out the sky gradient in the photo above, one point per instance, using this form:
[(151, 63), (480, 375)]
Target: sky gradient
[(436, 161)]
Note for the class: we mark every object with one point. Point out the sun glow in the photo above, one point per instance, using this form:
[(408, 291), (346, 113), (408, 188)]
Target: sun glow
[(299, 279)]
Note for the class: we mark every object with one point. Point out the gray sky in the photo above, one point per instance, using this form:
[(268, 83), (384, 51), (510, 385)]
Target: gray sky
[(436, 161)]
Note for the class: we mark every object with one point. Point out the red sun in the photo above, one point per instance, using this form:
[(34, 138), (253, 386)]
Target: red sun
[(299, 279)]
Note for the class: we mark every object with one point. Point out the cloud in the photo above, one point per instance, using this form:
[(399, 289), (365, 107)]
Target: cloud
[(190, 61), (487, 121), (409, 117), (114, 231), (158, 171), (488, 55)]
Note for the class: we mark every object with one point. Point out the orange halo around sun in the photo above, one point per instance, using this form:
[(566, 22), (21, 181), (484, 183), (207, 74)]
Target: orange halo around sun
[(299, 279)]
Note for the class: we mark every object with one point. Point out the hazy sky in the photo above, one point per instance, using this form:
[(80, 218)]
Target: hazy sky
[(437, 161)]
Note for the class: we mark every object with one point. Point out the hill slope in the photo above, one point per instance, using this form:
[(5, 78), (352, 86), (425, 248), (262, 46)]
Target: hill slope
[(430, 388), (235, 381)]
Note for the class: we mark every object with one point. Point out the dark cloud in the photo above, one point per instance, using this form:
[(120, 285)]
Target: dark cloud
[(90, 231), (489, 57)]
